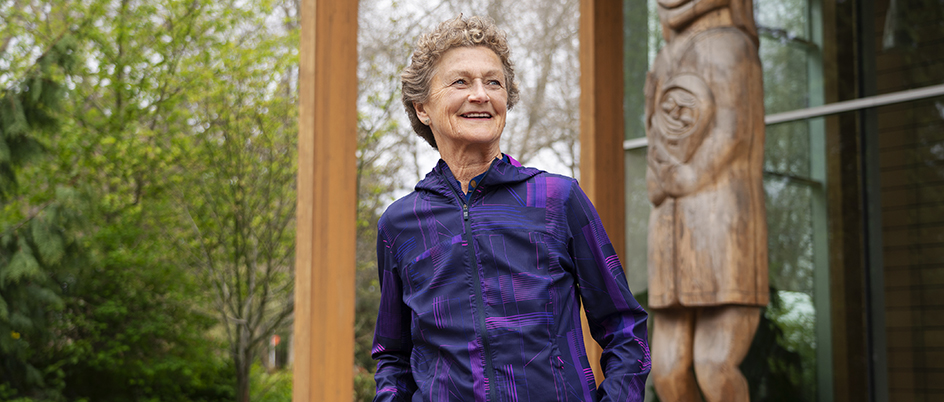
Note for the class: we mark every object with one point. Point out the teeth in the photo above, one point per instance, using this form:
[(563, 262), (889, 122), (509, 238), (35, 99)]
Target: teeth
[(477, 115)]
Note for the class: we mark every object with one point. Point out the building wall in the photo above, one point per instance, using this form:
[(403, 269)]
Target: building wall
[(909, 48)]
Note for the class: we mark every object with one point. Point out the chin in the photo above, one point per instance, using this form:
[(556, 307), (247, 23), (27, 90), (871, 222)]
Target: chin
[(483, 137)]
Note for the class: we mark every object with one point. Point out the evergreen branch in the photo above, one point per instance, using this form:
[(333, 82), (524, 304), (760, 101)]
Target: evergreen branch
[(35, 213), (29, 218)]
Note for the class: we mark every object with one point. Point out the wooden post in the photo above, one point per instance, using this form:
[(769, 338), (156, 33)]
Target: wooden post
[(324, 262), (602, 174)]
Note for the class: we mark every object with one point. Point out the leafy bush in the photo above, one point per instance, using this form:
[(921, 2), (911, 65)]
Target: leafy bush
[(270, 387)]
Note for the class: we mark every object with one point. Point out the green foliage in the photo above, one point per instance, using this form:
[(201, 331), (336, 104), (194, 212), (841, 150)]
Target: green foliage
[(27, 108), (36, 246), (774, 365), (134, 325), (273, 386), (365, 386), (235, 194), (115, 119)]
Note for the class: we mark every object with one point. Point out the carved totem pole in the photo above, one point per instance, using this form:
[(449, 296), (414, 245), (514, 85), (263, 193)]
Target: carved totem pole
[(707, 230)]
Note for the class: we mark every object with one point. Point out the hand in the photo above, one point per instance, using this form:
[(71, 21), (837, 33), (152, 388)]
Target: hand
[(680, 180), (658, 160), (676, 179)]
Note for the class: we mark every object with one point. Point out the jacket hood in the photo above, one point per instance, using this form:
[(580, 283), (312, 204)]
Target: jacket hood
[(441, 180)]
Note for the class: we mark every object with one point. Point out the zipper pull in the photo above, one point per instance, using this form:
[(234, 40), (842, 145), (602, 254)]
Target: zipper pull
[(465, 211)]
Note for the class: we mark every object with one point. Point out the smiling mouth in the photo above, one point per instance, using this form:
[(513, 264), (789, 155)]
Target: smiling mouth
[(477, 115)]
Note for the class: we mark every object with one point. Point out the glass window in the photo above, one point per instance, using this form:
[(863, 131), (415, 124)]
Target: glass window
[(911, 160), (910, 44)]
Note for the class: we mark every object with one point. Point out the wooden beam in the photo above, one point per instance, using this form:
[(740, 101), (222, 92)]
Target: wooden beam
[(324, 261), (601, 125)]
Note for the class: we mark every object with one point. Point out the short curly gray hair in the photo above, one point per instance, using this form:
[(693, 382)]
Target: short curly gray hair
[(453, 33)]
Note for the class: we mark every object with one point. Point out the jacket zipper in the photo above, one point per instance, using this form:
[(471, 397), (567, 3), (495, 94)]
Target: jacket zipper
[(479, 297)]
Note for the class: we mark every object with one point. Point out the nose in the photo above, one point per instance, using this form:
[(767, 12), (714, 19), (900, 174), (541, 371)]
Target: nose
[(477, 92)]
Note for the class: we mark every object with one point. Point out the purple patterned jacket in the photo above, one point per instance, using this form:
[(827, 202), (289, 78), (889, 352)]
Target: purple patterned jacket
[(480, 300)]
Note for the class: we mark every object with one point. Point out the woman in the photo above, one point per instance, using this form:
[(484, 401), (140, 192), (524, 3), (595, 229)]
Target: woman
[(484, 266)]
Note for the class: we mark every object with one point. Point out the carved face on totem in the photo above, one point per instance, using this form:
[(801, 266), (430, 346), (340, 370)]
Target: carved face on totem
[(684, 112)]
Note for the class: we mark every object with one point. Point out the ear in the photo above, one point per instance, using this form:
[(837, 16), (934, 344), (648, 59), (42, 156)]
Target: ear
[(421, 112)]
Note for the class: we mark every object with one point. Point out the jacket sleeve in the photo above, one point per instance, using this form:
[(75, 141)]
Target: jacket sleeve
[(617, 322), (392, 341)]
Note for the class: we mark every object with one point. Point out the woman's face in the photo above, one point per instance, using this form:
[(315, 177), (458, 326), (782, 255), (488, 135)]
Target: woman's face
[(467, 99)]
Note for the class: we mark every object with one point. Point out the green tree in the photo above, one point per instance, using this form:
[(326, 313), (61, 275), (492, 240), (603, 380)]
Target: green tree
[(133, 316), (237, 190), (36, 246), (122, 309)]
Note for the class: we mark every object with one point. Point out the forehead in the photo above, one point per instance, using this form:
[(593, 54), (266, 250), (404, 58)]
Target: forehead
[(470, 60)]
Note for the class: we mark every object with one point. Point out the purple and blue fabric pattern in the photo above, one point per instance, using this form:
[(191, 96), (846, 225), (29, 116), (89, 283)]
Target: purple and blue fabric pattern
[(480, 298)]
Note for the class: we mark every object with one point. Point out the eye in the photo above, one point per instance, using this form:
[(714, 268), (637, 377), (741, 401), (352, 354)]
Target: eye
[(460, 81), (495, 83)]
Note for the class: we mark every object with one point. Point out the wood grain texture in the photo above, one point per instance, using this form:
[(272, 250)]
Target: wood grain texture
[(602, 175), (707, 230), (324, 278), (704, 121)]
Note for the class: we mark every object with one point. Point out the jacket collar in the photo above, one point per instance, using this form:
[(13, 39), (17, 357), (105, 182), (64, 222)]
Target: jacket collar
[(441, 180)]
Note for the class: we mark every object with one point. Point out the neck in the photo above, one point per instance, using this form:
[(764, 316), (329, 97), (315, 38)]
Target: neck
[(467, 163), (720, 17), (683, 20)]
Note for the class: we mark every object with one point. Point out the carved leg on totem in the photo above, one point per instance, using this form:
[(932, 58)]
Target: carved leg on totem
[(673, 334), (723, 336)]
